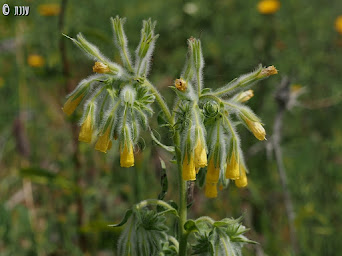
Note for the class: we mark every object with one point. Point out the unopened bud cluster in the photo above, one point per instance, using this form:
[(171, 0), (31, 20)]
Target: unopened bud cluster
[(207, 122), (116, 101)]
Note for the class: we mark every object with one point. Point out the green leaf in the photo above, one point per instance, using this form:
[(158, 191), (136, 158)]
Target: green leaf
[(190, 226), (124, 220), (163, 180), (144, 235)]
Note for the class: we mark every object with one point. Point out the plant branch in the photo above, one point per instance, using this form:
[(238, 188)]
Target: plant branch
[(283, 97)]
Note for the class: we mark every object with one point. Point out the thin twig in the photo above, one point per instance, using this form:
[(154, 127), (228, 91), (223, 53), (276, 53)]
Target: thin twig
[(283, 97)]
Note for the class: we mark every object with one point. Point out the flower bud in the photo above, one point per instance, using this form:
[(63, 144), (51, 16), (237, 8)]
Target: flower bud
[(100, 67), (72, 103), (181, 85), (189, 172), (211, 109), (257, 129), (213, 172), (242, 181), (233, 170), (269, 71), (245, 96), (268, 6), (127, 156), (210, 190), (86, 131), (104, 143), (200, 155)]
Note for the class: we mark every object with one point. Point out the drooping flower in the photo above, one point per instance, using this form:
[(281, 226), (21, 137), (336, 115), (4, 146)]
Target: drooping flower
[(100, 67), (72, 103), (200, 155), (242, 182), (268, 6), (86, 131), (210, 190), (35, 60), (213, 172), (233, 170), (127, 156), (104, 143), (256, 128), (189, 171)]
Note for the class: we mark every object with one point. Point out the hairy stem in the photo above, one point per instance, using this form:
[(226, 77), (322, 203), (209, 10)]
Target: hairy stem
[(182, 211), (160, 101)]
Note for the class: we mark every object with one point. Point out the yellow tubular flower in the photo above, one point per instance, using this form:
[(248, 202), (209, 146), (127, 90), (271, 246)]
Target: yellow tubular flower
[(35, 60), (181, 85), (256, 128), (268, 6), (86, 131), (233, 170), (245, 96), (210, 190), (104, 143), (189, 171), (71, 104), (127, 156), (338, 24), (213, 173), (200, 155), (242, 181), (100, 67), (49, 9)]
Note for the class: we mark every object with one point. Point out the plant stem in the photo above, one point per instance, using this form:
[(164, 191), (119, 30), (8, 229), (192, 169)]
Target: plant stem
[(160, 101), (182, 211)]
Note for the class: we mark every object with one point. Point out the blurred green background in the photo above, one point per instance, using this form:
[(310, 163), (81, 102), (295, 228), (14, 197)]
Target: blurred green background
[(58, 196)]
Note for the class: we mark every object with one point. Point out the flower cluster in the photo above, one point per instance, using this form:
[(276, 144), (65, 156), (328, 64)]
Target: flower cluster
[(117, 99), (205, 121)]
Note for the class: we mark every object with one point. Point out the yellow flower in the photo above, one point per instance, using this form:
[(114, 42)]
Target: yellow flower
[(268, 6), (104, 143), (213, 173), (210, 190), (189, 172), (49, 9), (100, 67), (245, 96), (338, 24), (256, 128), (71, 104), (35, 60), (200, 155), (181, 85), (233, 170), (242, 181), (86, 131), (127, 156)]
